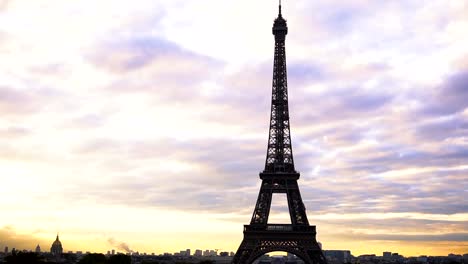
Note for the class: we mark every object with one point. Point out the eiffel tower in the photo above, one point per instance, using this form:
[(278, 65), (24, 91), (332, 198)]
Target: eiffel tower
[(279, 176)]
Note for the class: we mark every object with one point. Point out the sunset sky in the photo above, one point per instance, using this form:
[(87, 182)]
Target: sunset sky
[(146, 122)]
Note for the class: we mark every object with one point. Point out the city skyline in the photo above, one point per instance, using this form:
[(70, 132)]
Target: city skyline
[(145, 124), (124, 249)]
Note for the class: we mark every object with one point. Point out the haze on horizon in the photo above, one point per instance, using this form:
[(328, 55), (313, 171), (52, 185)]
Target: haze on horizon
[(146, 122)]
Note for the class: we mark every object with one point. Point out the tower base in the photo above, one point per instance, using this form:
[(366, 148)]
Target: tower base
[(297, 240)]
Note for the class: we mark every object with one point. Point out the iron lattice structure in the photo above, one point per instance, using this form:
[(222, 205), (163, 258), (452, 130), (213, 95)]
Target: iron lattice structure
[(279, 176)]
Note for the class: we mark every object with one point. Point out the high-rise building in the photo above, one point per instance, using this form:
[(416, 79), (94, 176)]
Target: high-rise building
[(187, 252), (113, 252), (198, 253), (38, 249), (6, 250)]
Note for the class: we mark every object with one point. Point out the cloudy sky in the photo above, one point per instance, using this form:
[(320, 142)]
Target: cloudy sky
[(145, 122)]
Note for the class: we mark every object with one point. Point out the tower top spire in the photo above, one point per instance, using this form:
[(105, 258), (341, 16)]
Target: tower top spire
[(280, 7)]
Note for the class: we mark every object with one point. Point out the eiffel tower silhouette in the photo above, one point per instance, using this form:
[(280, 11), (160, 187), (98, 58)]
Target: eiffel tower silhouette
[(279, 176)]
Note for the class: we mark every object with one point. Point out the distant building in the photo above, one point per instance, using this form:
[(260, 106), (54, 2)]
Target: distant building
[(387, 255), (340, 256), (224, 254), (455, 257), (397, 257), (465, 257), (56, 248), (113, 252), (367, 257), (422, 259), (198, 253), (184, 253), (38, 249), (6, 250)]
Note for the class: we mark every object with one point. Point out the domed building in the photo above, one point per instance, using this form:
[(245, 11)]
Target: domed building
[(56, 248)]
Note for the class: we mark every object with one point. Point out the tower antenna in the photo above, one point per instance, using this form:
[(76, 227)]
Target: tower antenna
[(280, 7)]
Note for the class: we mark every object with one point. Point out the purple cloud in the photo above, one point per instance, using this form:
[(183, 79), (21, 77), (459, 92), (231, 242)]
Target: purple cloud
[(451, 97)]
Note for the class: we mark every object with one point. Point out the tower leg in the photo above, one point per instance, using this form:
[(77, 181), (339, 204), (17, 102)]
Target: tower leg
[(252, 248)]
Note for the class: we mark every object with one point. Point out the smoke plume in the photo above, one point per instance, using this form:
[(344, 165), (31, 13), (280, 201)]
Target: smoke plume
[(119, 245)]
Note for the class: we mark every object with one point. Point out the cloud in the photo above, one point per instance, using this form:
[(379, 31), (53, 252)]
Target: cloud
[(300, 74), (14, 131), (442, 129), (156, 164), (340, 104), (153, 66), (127, 54), (450, 97), (15, 102), (4, 5), (23, 102), (455, 237)]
